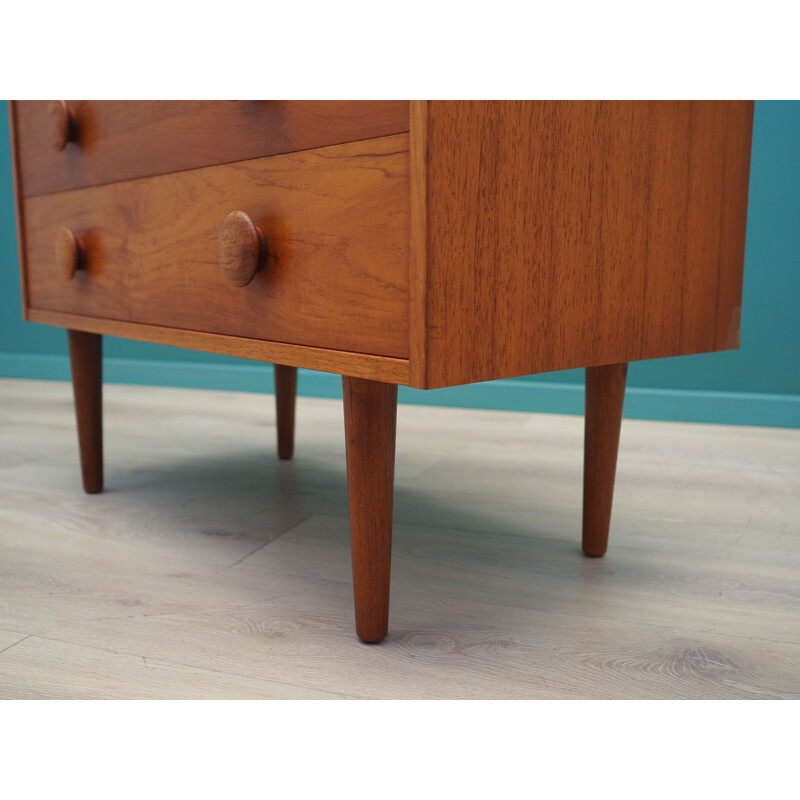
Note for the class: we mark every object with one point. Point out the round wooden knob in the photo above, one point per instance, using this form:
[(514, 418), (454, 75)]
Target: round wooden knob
[(69, 252), (62, 125), (242, 248)]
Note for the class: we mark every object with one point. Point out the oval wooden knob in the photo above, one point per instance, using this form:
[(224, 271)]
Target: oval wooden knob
[(242, 248), (62, 125), (69, 252)]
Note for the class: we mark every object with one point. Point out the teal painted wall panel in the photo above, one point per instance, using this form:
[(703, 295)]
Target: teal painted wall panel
[(758, 384)]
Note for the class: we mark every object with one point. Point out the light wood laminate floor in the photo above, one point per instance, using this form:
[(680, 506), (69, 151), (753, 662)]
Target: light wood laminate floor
[(209, 569)]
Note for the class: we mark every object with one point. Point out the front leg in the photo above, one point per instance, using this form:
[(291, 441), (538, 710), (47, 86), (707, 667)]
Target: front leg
[(85, 355), (605, 394), (370, 421)]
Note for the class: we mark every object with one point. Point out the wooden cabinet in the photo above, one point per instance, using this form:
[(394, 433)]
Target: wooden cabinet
[(427, 244)]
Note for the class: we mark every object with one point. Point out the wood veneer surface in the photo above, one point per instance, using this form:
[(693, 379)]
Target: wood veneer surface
[(123, 139), (551, 235), (336, 226)]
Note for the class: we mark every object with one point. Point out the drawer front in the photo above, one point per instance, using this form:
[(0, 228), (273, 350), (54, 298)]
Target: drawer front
[(120, 140), (336, 228)]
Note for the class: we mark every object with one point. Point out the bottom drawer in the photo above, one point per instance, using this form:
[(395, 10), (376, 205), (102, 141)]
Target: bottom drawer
[(336, 228)]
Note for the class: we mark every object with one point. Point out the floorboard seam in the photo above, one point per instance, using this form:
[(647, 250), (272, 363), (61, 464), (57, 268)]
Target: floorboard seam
[(15, 644), (262, 546)]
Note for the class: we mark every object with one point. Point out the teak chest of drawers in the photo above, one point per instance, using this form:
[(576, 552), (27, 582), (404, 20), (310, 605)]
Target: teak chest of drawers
[(428, 244)]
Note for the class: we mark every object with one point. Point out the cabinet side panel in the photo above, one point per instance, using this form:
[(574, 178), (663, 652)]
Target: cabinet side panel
[(569, 234), (17, 181), (418, 251)]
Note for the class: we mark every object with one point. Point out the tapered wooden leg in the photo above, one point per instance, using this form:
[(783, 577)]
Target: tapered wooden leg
[(285, 397), (85, 355), (605, 393), (370, 421)]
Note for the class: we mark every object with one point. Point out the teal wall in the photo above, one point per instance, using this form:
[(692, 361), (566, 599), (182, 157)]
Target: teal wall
[(756, 385)]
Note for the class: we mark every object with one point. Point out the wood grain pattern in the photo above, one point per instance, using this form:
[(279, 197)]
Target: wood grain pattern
[(336, 225), (285, 403), (573, 234), (359, 365), (124, 139), (605, 396), (697, 598), (370, 423), (86, 361)]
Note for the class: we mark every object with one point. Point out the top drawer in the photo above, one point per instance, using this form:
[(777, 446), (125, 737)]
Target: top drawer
[(115, 140)]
